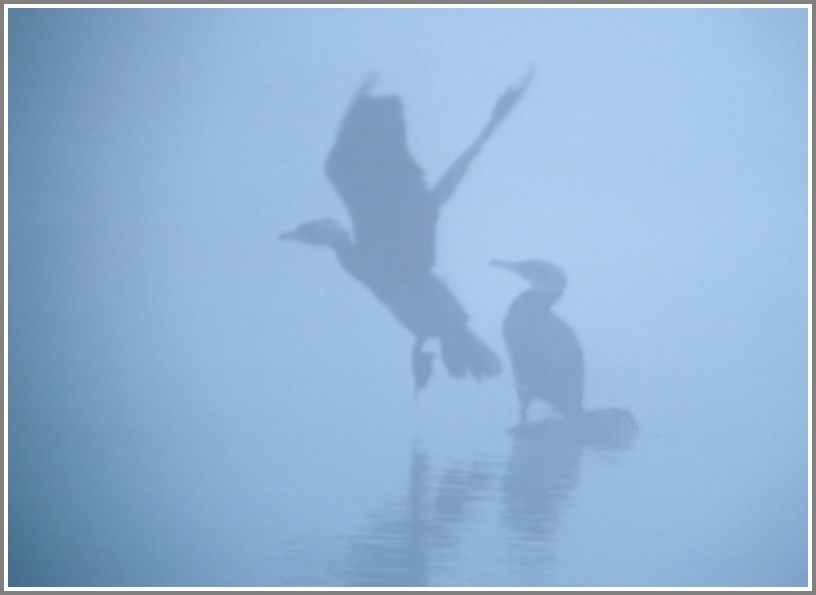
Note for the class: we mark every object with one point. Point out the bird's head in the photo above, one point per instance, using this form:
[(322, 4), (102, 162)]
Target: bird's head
[(545, 277), (321, 232)]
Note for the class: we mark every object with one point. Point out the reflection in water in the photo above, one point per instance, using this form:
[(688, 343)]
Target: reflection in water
[(541, 472), (544, 468), (410, 542), (395, 549)]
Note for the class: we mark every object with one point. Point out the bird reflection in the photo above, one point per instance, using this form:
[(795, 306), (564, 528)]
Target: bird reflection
[(416, 540), (406, 542), (394, 551), (543, 470), (394, 216)]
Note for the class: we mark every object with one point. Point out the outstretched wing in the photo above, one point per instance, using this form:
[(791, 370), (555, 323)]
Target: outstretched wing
[(393, 213)]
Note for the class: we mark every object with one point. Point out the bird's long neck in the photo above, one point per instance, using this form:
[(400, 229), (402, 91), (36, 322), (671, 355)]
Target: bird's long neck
[(547, 290), (543, 298)]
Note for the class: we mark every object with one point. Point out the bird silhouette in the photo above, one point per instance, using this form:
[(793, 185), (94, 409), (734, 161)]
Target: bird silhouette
[(548, 363), (394, 216), (544, 352)]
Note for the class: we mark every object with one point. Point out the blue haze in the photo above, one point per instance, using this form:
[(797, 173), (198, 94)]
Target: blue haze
[(193, 402)]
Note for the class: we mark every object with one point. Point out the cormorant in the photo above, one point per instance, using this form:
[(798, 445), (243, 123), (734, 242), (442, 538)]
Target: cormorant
[(547, 360), (548, 363), (394, 218)]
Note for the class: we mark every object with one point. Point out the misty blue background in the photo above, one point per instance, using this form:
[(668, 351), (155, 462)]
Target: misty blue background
[(193, 402)]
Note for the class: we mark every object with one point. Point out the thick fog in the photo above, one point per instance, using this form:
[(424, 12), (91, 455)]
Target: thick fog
[(194, 402)]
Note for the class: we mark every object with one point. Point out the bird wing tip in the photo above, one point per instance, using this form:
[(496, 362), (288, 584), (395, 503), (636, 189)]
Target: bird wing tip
[(367, 83)]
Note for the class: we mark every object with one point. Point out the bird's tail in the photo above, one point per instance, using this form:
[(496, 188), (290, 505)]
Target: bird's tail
[(464, 353)]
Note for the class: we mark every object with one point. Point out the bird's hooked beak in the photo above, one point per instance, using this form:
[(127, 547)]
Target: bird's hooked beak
[(516, 267)]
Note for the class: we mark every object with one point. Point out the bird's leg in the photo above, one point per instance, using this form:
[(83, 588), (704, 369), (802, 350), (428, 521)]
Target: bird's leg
[(447, 184), (422, 365), (523, 411)]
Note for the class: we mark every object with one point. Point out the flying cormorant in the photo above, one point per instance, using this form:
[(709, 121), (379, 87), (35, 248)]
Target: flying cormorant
[(547, 360), (394, 216)]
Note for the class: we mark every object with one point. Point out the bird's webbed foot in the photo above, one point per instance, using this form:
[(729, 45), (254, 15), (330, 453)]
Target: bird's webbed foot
[(422, 364)]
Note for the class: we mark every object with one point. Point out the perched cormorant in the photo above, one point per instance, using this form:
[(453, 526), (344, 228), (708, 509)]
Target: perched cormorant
[(548, 363), (547, 360), (394, 217)]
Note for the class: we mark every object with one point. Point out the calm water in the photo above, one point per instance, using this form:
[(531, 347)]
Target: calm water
[(242, 493)]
